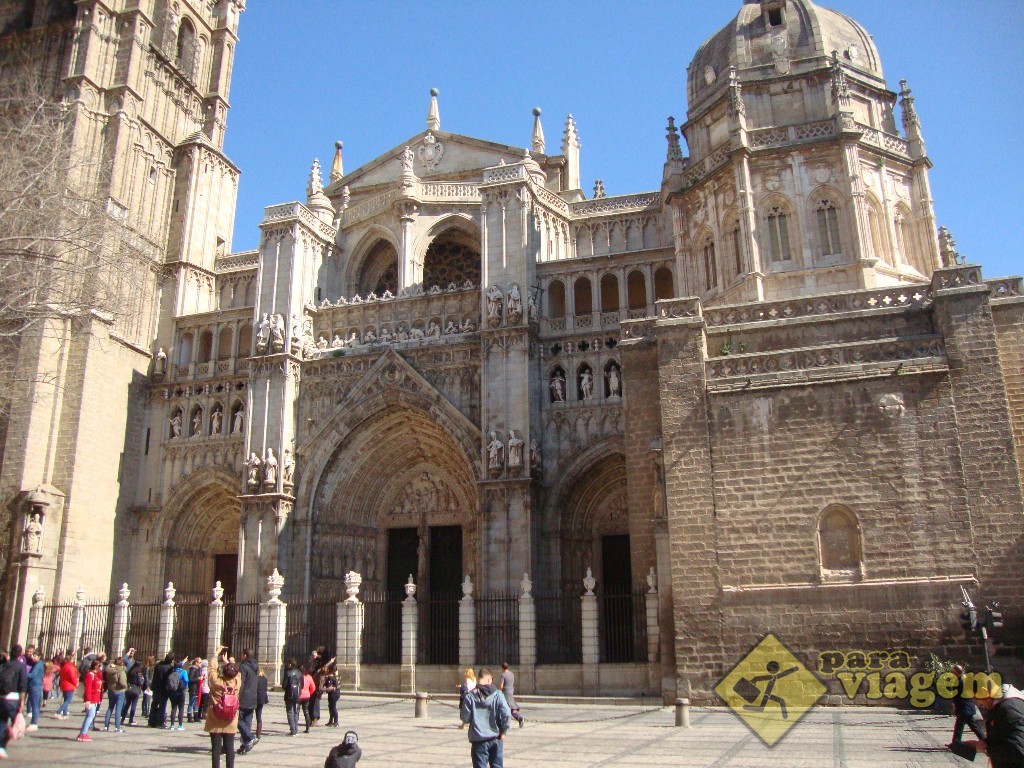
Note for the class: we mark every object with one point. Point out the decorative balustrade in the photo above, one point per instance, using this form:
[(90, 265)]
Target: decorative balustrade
[(237, 261), (371, 207), (617, 204), (1005, 288), (883, 140), (501, 174), (448, 191), (295, 210)]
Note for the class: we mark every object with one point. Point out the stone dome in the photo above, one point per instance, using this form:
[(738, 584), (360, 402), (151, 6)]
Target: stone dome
[(765, 34)]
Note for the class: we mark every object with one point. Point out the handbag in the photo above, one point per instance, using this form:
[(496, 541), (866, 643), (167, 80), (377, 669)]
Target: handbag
[(17, 728)]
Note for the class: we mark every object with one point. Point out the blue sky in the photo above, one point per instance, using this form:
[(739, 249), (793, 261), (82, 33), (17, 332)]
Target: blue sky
[(311, 72)]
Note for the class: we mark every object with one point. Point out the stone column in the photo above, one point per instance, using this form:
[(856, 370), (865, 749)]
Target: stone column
[(351, 613), (215, 627), (527, 637), (409, 637), (591, 642), (167, 614), (273, 615), (122, 618), (467, 626), (78, 620), (35, 617), (651, 608)]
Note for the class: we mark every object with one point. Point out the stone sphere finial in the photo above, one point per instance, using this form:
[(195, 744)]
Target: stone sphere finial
[(339, 144), (434, 92), (39, 596), (536, 111)]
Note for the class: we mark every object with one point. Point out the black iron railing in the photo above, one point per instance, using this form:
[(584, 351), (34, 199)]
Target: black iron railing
[(191, 626), (241, 626), (143, 629), (310, 624), (497, 629), (382, 627), (438, 631), (559, 629), (622, 628)]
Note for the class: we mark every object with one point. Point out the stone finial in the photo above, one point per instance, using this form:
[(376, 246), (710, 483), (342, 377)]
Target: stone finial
[(589, 582), (537, 140), (218, 594), (275, 583), (40, 595), (410, 588), (353, 581), (80, 595), (169, 593), (123, 594), (840, 86), (736, 106), (947, 249), (345, 197), (910, 119), (433, 114), (316, 183), (599, 189), (675, 152), (337, 165), (570, 138), (652, 582), (526, 586), (467, 588)]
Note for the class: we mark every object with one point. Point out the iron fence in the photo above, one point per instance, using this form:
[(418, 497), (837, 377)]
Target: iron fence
[(143, 629), (98, 628), (308, 625), (56, 628), (559, 629), (622, 628), (191, 626), (382, 627), (241, 626), (438, 632), (497, 629)]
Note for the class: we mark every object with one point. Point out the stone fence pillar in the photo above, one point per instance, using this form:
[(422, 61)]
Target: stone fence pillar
[(273, 627), (168, 612), (591, 641), (410, 616), (651, 609), (351, 616), (35, 621), (215, 626), (122, 620), (467, 626), (78, 621), (527, 636)]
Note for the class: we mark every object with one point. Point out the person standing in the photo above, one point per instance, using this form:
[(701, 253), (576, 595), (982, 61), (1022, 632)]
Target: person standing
[(136, 687), (247, 701), (195, 672), (486, 712), (291, 682), (306, 696), (51, 669), (468, 684), (117, 684), (68, 685), (36, 685), (508, 688), (147, 688), (158, 707), (177, 694), (222, 712), (1004, 725), (93, 696), (13, 690), (262, 698), (330, 687)]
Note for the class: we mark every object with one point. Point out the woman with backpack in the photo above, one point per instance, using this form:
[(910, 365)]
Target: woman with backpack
[(117, 685), (291, 682), (136, 686), (177, 691), (222, 713)]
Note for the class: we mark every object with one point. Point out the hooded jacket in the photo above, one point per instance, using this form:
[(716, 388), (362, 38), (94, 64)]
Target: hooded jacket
[(249, 697), (487, 713), (1004, 730)]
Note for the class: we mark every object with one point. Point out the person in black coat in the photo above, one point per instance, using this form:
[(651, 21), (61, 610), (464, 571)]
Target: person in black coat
[(158, 709), (248, 700), (346, 754)]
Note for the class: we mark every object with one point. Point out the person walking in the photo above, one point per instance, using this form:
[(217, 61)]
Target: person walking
[(36, 687), (330, 687), (247, 701), (306, 696), (147, 688), (262, 698), (508, 688), (291, 682), (222, 712), (93, 696), (177, 693), (68, 685), (158, 707), (136, 687), (468, 684), (13, 691), (1004, 725), (486, 712), (116, 678), (195, 673)]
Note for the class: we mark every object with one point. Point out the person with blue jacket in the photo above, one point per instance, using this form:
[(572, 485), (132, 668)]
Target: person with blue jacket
[(486, 712), (177, 693), (35, 685)]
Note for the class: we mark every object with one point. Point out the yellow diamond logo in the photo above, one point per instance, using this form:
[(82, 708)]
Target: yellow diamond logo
[(770, 689)]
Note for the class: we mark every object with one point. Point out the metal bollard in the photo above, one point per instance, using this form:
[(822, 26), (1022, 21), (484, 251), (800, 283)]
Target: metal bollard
[(421, 704), (682, 713)]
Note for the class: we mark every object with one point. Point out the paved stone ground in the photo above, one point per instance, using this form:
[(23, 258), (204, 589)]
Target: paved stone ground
[(555, 735)]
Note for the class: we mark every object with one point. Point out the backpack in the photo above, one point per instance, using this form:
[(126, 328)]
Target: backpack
[(227, 707), (9, 677), (174, 682), (293, 685)]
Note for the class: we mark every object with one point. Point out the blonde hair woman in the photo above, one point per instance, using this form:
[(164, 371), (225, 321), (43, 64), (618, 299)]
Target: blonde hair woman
[(468, 684)]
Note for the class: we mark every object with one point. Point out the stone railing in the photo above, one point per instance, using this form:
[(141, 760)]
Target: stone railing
[(617, 204), (448, 191), (237, 261), (883, 140), (501, 174), (706, 166), (550, 199), (763, 138), (1005, 288), (275, 213), (369, 208), (907, 296)]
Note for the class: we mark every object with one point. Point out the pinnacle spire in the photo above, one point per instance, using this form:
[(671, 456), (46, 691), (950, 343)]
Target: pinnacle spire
[(675, 152), (537, 140), (337, 167), (433, 114), (316, 183), (570, 138), (911, 122)]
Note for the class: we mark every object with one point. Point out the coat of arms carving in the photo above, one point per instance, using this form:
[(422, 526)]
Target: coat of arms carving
[(430, 151)]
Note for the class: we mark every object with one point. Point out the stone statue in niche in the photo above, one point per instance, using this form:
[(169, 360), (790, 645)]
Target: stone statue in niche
[(468, 326), (407, 160), (336, 342), (586, 384), (33, 535), (296, 335), (321, 343), (531, 305), (417, 333), (288, 469), (494, 299), (197, 422), (614, 377), (277, 334), (557, 387), (238, 422), (386, 336), (160, 362), (253, 470), (370, 337), (535, 457), (450, 329), (495, 452), (263, 334), (371, 560), (270, 468), (515, 450), (352, 340), (217, 421), (176, 424), (433, 330), (515, 304)]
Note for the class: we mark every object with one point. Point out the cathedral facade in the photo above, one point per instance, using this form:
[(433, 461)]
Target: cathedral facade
[(766, 389)]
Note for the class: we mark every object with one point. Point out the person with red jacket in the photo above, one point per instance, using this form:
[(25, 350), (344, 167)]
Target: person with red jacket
[(93, 697), (306, 695), (68, 684)]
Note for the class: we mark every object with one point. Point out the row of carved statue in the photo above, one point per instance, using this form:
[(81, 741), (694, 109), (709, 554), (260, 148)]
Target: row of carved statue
[(500, 454), (262, 473), (402, 333), (585, 383), (405, 293), (509, 306), (177, 422)]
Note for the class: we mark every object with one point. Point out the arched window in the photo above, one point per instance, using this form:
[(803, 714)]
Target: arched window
[(185, 349), (583, 299), (453, 258), (185, 56), (905, 243), (610, 293), (839, 542), (224, 344), (206, 346), (707, 253), (777, 233), (732, 256), (556, 300), (636, 290), (250, 292), (664, 287), (245, 341), (828, 227), (379, 271)]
